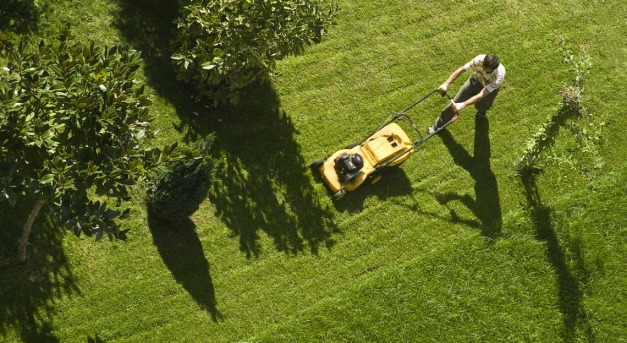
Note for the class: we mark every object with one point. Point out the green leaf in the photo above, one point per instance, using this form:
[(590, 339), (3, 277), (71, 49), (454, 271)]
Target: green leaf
[(47, 179), (208, 65), (99, 234), (12, 197)]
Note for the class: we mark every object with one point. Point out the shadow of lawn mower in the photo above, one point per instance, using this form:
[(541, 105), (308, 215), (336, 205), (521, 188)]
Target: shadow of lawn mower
[(368, 160)]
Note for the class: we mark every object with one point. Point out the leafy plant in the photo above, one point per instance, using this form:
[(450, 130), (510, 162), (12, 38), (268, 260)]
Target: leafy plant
[(569, 114), (72, 123), (224, 45), (176, 194)]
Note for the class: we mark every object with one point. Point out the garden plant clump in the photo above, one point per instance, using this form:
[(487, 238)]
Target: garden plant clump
[(222, 46), (571, 115), (176, 194), (73, 127)]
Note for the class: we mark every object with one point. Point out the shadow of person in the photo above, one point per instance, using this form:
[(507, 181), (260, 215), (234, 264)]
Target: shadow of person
[(181, 251), (28, 291), (486, 203)]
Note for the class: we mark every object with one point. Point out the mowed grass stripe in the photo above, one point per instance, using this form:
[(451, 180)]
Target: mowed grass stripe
[(429, 297)]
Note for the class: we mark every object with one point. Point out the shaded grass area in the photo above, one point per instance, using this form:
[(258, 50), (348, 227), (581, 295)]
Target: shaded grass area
[(570, 294), (485, 205), (181, 250), (29, 292), (261, 182), (19, 16)]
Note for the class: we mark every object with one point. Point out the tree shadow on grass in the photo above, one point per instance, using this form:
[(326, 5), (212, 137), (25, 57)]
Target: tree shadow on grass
[(261, 182), (148, 27), (20, 16), (486, 203), (28, 291), (181, 250)]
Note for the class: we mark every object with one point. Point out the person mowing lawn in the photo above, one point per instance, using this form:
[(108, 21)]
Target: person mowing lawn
[(480, 89)]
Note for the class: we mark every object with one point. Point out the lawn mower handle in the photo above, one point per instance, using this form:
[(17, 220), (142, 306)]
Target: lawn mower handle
[(419, 101), (397, 116), (423, 98), (421, 140)]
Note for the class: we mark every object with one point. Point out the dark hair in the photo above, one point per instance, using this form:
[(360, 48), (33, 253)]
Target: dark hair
[(491, 61)]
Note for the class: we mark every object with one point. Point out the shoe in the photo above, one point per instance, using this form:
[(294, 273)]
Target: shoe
[(432, 130), (479, 115)]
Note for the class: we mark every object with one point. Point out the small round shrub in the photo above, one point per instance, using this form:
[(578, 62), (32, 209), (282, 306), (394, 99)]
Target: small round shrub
[(176, 194)]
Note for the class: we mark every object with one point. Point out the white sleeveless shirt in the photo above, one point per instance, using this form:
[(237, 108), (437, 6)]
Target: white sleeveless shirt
[(491, 81)]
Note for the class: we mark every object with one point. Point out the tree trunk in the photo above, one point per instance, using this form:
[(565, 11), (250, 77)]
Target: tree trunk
[(23, 241)]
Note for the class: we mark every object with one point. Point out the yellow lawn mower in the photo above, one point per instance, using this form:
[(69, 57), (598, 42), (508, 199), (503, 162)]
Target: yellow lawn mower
[(368, 160)]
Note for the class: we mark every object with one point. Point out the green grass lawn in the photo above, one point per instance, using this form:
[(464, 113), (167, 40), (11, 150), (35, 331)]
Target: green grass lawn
[(454, 247)]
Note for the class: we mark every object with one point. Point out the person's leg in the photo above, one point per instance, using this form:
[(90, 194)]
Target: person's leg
[(485, 104), (469, 89)]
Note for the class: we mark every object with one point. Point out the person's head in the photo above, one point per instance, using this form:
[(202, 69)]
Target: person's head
[(491, 62)]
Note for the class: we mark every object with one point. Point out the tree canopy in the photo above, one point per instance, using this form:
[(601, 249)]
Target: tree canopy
[(72, 124), (224, 45)]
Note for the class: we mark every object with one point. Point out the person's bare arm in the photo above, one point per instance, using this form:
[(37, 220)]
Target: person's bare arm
[(477, 97), (454, 75), (458, 106)]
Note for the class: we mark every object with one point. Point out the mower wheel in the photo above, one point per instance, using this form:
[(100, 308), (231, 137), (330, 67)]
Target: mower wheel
[(339, 195), (316, 164)]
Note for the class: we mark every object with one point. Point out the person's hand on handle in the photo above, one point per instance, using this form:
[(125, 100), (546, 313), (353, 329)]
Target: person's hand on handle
[(457, 106)]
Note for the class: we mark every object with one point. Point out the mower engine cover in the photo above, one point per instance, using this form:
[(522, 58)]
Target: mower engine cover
[(348, 166)]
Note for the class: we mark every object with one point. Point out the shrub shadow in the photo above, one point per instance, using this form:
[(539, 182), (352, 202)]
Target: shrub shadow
[(486, 203), (28, 291), (569, 292), (569, 278), (182, 252)]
